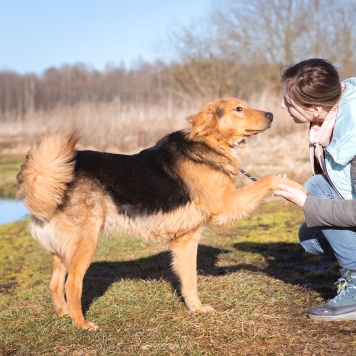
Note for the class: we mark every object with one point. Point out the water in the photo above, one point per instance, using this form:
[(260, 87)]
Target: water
[(11, 211)]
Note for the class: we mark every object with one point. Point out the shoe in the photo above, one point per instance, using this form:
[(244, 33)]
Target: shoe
[(343, 306)]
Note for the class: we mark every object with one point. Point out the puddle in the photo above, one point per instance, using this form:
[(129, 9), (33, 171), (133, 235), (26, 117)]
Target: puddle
[(11, 211)]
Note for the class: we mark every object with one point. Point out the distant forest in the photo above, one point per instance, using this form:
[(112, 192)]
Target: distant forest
[(236, 50)]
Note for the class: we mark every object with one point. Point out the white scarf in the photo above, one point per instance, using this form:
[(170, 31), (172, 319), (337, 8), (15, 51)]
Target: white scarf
[(322, 135)]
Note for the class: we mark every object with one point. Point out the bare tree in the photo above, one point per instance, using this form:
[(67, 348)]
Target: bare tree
[(283, 32), (237, 49), (198, 71), (273, 31), (341, 43), (243, 44)]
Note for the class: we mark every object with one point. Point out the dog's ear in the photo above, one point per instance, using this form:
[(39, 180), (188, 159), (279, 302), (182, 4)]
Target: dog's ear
[(203, 123)]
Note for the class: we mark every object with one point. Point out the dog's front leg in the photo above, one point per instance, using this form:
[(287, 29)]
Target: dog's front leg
[(184, 254), (238, 203)]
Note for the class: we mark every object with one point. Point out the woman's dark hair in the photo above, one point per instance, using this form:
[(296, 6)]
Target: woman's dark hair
[(313, 82)]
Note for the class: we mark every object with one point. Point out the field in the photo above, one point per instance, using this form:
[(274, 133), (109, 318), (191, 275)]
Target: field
[(254, 273), (115, 127), (10, 166)]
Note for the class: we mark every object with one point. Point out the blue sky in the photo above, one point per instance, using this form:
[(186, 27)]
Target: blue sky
[(38, 34)]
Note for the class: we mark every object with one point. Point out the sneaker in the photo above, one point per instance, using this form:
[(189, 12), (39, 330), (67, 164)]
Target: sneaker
[(342, 307)]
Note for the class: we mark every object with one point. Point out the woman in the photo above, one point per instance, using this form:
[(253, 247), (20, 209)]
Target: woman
[(313, 94)]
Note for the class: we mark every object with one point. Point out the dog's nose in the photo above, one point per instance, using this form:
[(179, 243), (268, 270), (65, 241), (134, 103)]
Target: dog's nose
[(269, 116)]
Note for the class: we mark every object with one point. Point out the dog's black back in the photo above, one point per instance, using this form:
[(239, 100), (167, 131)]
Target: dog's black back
[(139, 184)]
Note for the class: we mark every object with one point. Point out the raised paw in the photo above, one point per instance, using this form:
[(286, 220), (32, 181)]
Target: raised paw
[(295, 185), (275, 181)]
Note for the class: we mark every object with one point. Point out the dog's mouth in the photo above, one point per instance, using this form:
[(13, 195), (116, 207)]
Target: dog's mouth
[(254, 132), (251, 132), (248, 132)]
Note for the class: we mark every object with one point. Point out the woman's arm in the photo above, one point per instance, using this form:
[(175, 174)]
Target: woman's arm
[(329, 212), (321, 212)]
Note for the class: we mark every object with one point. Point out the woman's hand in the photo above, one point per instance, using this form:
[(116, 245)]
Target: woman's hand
[(294, 195)]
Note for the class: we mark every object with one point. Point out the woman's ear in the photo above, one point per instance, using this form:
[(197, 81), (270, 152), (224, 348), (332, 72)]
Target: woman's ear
[(316, 111), (203, 124)]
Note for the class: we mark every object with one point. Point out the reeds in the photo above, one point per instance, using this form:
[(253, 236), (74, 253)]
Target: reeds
[(128, 128)]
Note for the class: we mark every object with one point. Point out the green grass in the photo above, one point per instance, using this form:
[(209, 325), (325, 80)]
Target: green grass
[(254, 273), (9, 167)]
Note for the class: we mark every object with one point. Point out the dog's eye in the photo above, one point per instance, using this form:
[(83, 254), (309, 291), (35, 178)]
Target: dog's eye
[(239, 108)]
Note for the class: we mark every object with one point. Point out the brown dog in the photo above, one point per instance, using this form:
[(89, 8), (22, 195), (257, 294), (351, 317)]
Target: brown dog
[(165, 193)]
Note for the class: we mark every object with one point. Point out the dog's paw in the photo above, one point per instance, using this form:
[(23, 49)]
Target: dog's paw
[(275, 181), (296, 185), (92, 326), (62, 312), (87, 325), (205, 308), (283, 176)]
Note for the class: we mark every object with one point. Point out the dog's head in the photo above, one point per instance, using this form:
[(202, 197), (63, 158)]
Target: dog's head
[(229, 120)]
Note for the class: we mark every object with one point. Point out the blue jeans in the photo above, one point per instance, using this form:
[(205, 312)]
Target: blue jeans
[(330, 240)]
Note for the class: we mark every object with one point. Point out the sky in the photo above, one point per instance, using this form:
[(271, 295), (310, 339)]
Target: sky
[(38, 34)]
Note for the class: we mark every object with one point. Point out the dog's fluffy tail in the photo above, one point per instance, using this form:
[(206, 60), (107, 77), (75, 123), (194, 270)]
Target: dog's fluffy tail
[(45, 175)]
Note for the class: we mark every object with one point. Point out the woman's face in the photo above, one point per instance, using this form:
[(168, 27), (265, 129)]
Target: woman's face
[(299, 115)]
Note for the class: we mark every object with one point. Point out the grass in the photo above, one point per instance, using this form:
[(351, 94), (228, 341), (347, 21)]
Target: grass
[(254, 273), (10, 166)]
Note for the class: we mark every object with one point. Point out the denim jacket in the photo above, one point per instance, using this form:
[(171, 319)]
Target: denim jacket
[(342, 148)]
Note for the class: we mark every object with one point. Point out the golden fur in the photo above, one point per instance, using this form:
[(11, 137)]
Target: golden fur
[(165, 194)]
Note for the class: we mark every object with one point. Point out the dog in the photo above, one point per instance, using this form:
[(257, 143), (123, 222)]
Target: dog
[(165, 193)]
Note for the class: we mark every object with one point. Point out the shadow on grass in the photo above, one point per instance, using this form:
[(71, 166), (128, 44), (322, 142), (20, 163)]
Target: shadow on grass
[(101, 275), (284, 261), (291, 264)]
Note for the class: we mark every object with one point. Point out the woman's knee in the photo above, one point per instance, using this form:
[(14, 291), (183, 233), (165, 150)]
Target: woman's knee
[(312, 246), (308, 239), (314, 182), (319, 186)]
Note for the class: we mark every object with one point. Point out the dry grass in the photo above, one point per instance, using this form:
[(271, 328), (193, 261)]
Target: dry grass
[(116, 127), (123, 127), (10, 166), (276, 154), (108, 127)]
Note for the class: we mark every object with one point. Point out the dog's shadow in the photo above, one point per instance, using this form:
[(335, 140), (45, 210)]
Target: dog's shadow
[(101, 275), (284, 261)]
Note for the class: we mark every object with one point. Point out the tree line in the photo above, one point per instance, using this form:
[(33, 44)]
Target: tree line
[(237, 49)]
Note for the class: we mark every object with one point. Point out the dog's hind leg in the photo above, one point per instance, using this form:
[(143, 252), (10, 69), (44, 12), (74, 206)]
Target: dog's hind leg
[(78, 264), (57, 286), (184, 253)]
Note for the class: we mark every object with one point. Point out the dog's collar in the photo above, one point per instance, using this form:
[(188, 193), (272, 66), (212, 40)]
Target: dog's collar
[(221, 144)]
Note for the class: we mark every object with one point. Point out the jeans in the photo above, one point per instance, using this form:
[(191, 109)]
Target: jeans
[(329, 240)]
